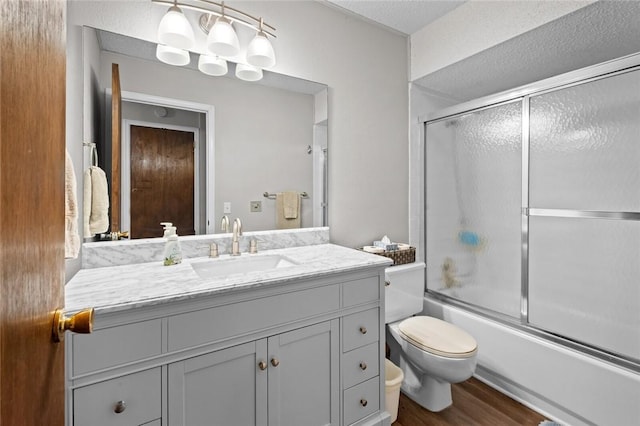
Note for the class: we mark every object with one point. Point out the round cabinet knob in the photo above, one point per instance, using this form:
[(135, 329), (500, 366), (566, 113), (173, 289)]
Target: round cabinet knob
[(262, 365), (363, 402), (120, 407), (363, 366), (275, 362), (363, 330)]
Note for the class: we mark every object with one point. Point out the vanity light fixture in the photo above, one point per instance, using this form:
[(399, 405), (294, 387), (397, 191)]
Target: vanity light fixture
[(222, 39), (248, 72), (212, 65), (260, 52), (172, 55), (174, 29), (175, 35)]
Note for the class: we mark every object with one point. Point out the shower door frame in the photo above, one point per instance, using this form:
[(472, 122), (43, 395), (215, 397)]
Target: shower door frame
[(523, 94)]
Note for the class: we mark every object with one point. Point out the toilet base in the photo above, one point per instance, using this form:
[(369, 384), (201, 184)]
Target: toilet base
[(427, 377), (433, 395)]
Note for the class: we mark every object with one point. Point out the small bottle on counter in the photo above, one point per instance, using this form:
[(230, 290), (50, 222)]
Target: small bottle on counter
[(172, 250)]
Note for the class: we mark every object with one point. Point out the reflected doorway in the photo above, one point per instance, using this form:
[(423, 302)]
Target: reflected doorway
[(162, 180)]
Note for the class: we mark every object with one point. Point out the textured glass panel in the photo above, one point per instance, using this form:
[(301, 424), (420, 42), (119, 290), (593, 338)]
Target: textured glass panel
[(583, 281), (585, 146), (473, 196)]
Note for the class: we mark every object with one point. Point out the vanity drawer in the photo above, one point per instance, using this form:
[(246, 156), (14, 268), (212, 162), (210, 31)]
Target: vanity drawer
[(360, 329), (113, 346), (223, 322), (361, 291), (137, 396), (361, 400), (360, 364)]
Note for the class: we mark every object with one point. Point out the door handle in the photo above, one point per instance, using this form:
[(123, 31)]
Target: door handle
[(80, 322)]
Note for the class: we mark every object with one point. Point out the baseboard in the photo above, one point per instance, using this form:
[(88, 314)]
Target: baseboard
[(530, 399)]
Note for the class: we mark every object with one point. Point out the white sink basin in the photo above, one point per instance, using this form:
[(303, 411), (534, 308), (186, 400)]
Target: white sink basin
[(240, 265)]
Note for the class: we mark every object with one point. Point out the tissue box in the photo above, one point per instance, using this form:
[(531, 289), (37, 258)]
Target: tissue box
[(386, 246)]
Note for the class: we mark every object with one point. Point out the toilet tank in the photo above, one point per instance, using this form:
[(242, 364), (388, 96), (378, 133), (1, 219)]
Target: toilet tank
[(405, 291)]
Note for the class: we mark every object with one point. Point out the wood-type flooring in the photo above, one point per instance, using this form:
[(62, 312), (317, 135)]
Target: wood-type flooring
[(474, 404)]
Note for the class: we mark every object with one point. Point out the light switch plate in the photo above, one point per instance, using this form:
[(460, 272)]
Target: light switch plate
[(227, 207), (255, 206)]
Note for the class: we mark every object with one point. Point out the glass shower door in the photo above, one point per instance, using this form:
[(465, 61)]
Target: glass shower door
[(584, 223), (473, 166)]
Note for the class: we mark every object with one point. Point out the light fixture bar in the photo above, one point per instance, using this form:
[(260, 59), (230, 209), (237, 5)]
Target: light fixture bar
[(209, 22), (207, 19), (222, 5)]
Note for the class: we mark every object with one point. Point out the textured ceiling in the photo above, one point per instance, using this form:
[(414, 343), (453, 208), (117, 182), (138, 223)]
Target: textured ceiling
[(599, 32), (404, 16)]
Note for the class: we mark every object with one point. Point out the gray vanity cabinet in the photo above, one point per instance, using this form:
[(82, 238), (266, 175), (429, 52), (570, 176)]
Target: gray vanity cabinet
[(304, 352), (288, 379)]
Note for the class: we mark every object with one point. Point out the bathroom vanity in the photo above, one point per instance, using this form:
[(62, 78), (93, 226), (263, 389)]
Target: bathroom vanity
[(301, 344)]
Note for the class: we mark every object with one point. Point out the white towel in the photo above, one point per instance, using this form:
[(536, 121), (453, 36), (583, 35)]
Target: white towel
[(71, 237), (287, 210), (96, 202)]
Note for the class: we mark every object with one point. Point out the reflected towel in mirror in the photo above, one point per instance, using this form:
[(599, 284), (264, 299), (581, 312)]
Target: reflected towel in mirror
[(96, 202), (288, 210)]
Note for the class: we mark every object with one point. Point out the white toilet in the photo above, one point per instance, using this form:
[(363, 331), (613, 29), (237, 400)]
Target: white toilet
[(432, 353)]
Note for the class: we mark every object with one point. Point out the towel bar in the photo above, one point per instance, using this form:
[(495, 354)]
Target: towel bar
[(273, 196), (93, 153)]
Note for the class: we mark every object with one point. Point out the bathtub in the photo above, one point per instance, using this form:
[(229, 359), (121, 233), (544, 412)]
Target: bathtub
[(563, 384)]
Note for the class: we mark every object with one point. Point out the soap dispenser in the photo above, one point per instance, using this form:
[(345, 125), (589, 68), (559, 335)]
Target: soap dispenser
[(172, 250)]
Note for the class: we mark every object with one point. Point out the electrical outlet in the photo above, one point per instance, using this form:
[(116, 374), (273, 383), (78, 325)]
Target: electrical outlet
[(227, 207), (255, 206)]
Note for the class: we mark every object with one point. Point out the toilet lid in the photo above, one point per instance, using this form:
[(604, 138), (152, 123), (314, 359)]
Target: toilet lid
[(438, 337)]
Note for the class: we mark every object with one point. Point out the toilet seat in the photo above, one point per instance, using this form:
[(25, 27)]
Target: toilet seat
[(437, 337)]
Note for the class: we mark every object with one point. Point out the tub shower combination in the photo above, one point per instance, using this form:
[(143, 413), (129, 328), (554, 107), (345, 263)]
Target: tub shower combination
[(543, 245)]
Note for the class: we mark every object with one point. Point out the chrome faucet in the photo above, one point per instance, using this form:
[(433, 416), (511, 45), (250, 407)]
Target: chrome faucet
[(224, 224), (237, 232)]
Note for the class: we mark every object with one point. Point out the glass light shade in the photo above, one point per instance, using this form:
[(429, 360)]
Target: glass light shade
[(175, 31), (248, 72), (222, 39), (172, 56), (260, 52), (212, 65)]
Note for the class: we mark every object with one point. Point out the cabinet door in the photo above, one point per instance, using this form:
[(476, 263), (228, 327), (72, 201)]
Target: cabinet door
[(304, 376), (222, 388)]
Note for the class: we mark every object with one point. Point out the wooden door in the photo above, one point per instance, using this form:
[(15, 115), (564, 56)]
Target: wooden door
[(162, 181), (32, 159), (303, 380), (226, 387)]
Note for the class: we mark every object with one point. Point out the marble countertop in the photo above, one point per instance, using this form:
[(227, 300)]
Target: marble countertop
[(120, 288)]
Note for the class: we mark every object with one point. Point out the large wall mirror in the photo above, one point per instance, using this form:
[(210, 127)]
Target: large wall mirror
[(227, 144)]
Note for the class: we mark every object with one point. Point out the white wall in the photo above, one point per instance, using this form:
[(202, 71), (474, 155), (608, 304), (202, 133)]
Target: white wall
[(478, 25), (81, 124), (365, 68)]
